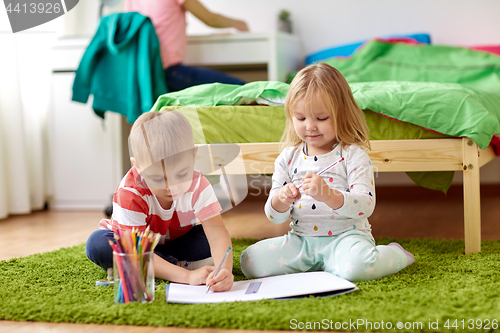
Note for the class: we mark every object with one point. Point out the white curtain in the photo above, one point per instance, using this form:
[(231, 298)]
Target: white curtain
[(25, 97)]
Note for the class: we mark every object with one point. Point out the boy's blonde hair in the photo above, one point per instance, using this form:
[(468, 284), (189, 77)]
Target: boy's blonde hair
[(323, 85), (159, 135)]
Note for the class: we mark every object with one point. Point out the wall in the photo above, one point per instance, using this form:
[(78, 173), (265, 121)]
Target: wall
[(322, 24)]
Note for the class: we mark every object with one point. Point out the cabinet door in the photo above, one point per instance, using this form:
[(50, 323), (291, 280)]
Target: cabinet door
[(85, 151)]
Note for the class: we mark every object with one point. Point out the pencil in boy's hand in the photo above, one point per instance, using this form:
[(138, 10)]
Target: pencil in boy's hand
[(220, 265), (326, 169)]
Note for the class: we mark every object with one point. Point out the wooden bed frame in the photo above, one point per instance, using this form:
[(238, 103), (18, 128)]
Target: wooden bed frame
[(455, 154)]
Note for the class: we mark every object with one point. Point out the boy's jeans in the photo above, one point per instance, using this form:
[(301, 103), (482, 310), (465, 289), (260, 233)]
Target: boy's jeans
[(192, 246)]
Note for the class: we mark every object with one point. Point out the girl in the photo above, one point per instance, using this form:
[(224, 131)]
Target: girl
[(328, 213)]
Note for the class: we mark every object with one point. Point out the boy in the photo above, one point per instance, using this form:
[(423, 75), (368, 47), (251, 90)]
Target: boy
[(164, 192)]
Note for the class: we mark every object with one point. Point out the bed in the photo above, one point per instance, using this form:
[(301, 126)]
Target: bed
[(430, 113)]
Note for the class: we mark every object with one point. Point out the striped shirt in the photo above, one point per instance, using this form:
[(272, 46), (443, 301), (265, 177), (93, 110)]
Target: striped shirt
[(135, 206)]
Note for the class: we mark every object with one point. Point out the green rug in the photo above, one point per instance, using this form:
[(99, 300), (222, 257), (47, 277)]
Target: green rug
[(443, 291)]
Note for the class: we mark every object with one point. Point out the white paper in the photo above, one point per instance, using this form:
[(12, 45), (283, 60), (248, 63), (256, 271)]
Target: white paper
[(282, 286)]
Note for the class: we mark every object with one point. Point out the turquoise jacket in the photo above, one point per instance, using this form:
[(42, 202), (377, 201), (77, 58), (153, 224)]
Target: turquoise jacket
[(121, 67)]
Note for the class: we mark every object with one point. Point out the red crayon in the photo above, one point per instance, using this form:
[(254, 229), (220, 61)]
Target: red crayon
[(120, 272)]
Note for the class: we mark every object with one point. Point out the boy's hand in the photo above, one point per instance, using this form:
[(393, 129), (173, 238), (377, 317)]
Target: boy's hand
[(316, 187), (222, 282), (200, 275), (288, 194)]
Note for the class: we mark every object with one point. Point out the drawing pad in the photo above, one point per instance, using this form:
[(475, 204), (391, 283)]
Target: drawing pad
[(282, 286)]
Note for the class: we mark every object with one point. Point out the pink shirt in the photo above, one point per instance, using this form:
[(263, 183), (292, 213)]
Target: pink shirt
[(169, 20)]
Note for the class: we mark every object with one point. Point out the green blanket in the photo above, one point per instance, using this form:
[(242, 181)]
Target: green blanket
[(451, 90), (214, 94), (448, 108), (380, 61)]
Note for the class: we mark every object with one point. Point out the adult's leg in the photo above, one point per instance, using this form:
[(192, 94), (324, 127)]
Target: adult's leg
[(276, 256), (179, 77), (354, 256)]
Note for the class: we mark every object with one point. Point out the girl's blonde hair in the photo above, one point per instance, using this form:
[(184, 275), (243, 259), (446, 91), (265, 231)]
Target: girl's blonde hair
[(159, 135), (321, 85)]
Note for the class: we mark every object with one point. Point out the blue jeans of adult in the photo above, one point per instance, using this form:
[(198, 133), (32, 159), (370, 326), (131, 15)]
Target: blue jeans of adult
[(179, 77), (192, 246)]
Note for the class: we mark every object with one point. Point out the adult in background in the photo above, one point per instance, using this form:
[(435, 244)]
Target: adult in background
[(169, 20)]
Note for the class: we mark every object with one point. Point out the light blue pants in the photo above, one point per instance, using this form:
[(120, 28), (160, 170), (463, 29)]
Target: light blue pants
[(351, 255)]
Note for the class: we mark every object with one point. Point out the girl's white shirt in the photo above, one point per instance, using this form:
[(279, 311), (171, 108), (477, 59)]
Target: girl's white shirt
[(353, 177)]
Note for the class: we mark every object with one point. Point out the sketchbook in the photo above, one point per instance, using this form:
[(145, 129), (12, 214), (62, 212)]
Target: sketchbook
[(275, 287)]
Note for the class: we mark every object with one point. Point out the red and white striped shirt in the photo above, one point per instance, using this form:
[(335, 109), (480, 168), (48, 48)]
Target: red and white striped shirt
[(135, 206)]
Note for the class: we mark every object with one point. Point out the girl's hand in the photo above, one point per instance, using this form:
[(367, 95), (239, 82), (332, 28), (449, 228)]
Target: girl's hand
[(200, 275), (316, 187), (222, 282), (288, 194)]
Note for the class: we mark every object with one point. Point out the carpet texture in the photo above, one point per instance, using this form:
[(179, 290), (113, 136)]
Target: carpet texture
[(442, 286)]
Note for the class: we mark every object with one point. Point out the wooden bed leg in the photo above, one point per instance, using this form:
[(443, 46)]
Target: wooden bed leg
[(472, 201)]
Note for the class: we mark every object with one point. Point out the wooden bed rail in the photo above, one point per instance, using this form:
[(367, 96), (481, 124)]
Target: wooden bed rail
[(454, 154)]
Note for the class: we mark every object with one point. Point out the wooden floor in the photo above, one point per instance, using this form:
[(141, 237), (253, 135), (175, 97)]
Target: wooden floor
[(408, 212)]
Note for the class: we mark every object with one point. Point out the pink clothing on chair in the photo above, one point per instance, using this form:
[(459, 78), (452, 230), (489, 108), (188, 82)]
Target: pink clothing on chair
[(169, 20)]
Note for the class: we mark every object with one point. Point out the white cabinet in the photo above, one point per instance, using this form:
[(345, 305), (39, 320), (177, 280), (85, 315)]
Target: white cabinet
[(277, 53), (84, 150)]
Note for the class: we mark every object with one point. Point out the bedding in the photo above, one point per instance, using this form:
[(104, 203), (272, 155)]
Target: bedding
[(474, 74), (443, 108), (380, 61), (406, 92), (226, 116), (447, 108), (493, 49), (348, 49)]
